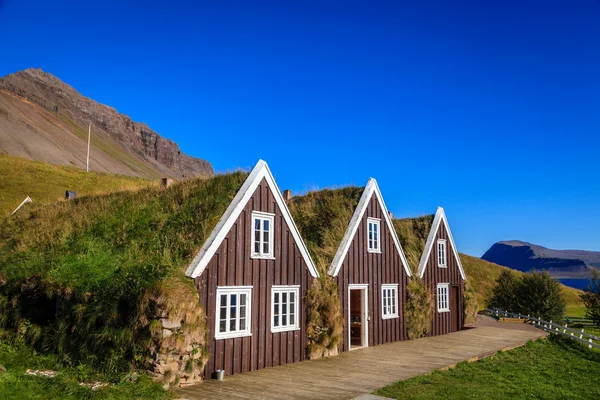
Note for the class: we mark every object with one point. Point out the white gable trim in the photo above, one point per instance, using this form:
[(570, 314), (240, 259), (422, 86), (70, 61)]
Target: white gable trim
[(363, 203), (440, 216), (260, 171)]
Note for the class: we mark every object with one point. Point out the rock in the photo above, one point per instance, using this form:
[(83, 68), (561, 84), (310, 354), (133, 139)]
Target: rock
[(169, 324), (2, 369), (166, 333)]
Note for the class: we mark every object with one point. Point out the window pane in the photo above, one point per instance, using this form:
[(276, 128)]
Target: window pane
[(242, 311), (232, 312), (276, 297), (222, 326), (256, 247), (242, 324), (242, 299), (223, 314), (232, 325), (266, 224), (266, 248), (283, 320), (223, 300), (276, 321), (292, 299), (233, 299), (257, 224), (283, 308), (284, 297), (276, 309), (292, 319)]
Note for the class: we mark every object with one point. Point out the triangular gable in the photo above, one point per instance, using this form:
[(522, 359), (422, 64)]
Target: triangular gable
[(440, 216), (260, 171), (370, 189)]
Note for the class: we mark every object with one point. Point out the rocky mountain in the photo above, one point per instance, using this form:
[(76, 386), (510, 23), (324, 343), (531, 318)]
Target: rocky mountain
[(526, 257), (43, 118)]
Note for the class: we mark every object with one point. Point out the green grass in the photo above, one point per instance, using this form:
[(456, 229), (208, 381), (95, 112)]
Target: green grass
[(545, 369), (15, 384), (46, 183)]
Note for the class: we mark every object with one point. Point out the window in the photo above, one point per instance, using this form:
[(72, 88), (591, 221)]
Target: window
[(442, 297), (262, 235), (442, 253), (233, 311), (389, 301), (374, 244), (284, 308)]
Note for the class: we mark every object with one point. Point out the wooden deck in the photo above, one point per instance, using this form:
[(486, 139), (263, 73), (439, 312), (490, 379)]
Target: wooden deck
[(363, 371)]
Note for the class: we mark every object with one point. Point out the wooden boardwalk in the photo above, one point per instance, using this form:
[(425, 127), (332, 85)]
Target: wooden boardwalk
[(363, 371)]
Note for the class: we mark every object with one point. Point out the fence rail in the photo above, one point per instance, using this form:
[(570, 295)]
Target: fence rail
[(549, 326)]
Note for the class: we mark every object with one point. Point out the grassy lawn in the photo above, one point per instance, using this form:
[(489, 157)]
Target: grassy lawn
[(545, 369), (15, 384)]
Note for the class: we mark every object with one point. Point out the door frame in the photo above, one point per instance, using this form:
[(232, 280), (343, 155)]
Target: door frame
[(365, 315), (455, 308)]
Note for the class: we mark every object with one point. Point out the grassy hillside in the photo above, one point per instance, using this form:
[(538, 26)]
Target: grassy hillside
[(47, 183), (87, 278)]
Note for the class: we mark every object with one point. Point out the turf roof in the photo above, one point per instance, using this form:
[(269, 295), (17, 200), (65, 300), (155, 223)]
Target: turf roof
[(322, 218), (413, 233)]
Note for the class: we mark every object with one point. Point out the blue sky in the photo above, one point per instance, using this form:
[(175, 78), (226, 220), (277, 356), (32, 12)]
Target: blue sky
[(490, 109)]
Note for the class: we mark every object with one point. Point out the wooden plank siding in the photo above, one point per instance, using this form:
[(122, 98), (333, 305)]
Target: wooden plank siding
[(441, 322), (232, 265), (361, 267)]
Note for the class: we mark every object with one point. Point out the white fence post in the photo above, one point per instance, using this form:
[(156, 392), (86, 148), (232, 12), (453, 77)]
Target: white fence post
[(590, 345), (581, 336)]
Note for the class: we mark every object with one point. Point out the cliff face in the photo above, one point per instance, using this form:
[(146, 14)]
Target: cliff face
[(526, 257), (32, 93)]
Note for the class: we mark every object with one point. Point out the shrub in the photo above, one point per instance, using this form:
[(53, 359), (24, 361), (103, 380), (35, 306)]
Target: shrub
[(418, 308), (591, 298), (470, 304), (504, 294), (325, 324), (536, 294)]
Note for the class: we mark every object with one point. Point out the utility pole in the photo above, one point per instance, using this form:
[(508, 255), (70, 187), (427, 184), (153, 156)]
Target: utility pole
[(87, 163)]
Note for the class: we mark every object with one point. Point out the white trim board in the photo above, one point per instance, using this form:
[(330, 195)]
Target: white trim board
[(370, 189), (208, 250), (440, 216)]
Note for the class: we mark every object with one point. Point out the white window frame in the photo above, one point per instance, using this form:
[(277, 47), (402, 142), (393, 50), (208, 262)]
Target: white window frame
[(443, 299), (442, 256), (229, 290), (285, 289), (262, 216), (385, 306), (377, 242)]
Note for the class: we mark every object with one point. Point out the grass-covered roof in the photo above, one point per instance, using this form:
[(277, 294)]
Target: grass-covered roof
[(322, 218)]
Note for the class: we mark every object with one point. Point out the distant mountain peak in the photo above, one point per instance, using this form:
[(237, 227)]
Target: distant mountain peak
[(524, 256), (56, 131)]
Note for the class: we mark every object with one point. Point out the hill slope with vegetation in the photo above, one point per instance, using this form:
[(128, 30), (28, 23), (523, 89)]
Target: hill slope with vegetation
[(47, 183), (91, 279)]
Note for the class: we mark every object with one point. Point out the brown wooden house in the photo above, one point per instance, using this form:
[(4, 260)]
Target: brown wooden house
[(252, 275), (371, 272), (442, 271)]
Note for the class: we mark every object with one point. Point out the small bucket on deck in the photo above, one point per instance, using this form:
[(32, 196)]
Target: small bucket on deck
[(219, 374)]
